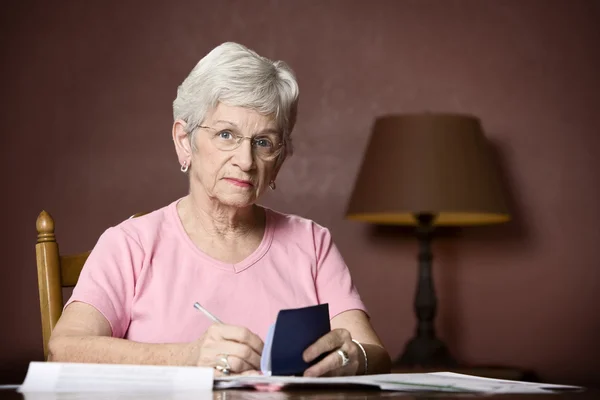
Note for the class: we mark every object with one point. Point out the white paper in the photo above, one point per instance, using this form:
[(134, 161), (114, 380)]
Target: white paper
[(506, 386), (427, 382), (194, 395), (75, 377), (448, 381)]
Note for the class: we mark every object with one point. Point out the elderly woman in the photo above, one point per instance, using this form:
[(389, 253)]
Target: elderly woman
[(233, 118)]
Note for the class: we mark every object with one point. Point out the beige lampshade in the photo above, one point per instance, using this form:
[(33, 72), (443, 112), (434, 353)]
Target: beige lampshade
[(438, 164)]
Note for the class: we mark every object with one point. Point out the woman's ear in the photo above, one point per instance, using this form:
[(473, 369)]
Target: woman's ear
[(182, 141)]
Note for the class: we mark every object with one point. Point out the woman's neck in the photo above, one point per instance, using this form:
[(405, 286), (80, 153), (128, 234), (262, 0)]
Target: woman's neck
[(216, 219)]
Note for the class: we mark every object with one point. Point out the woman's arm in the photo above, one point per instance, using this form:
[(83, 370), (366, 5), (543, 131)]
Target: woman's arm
[(82, 334), (351, 324)]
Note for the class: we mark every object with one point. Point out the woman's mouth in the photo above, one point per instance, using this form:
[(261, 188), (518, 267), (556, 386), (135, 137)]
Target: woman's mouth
[(239, 182)]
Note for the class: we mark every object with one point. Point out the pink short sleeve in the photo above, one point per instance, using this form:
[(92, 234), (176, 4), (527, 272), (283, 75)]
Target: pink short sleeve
[(333, 281), (107, 281)]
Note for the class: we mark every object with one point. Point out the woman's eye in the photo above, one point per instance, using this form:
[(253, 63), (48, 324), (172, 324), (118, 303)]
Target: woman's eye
[(263, 142), (225, 135)]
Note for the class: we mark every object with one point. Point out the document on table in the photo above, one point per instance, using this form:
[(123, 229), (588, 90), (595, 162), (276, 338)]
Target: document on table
[(75, 377), (44, 378), (422, 382)]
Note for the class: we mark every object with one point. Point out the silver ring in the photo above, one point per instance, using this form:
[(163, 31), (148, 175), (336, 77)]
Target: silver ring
[(345, 358), (226, 369)]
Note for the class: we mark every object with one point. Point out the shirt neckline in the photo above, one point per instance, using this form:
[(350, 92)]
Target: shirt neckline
[(256, 255)]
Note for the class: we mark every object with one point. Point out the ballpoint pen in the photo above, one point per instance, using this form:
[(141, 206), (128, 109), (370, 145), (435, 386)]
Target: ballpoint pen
[(198, 307)]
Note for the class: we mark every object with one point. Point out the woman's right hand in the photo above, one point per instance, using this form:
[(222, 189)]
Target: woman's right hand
[(238, 345)]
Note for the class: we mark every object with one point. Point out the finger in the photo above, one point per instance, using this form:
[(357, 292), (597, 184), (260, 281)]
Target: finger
[(326, 343), (241, 351), (239, 334), (219, 374), (329, 363), (251, 372), (332, 362), (237, 364)]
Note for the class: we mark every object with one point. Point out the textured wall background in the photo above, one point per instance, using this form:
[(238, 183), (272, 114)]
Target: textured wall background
[(85, 134)]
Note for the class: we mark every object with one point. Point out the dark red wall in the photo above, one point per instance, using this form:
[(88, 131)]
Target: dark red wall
[(86, 91)]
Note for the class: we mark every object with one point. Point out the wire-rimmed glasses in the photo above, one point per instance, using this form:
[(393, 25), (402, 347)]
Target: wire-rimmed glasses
[(267, 146)]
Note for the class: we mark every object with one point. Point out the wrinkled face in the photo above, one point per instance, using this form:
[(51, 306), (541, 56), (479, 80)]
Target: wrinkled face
[(233, 177)]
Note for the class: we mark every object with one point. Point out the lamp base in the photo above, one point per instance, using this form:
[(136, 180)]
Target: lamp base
[(426, 352), (425, 349)]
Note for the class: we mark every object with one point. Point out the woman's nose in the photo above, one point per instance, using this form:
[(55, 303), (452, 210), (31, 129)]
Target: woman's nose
[(243, 155)]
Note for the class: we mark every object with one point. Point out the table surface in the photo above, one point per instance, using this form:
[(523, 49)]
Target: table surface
[(300, 394)]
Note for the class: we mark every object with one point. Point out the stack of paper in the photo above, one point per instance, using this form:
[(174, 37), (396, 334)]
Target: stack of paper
[(427, 382), (74, 377)]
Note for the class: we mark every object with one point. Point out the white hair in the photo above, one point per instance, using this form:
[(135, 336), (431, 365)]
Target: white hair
[(237, 76)]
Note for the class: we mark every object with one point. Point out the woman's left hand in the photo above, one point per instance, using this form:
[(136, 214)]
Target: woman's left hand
[(332, 364)]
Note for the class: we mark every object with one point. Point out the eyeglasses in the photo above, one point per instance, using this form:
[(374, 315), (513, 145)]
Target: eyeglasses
[(266, 146)]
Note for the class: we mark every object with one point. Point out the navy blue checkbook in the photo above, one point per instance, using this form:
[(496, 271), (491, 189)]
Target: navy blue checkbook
[(292, 333)]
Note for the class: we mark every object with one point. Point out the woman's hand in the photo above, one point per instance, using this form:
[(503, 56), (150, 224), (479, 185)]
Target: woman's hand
[(229, 346), (332, 364)]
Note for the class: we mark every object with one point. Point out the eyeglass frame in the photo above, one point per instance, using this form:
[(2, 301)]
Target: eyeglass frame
[(240, 139)]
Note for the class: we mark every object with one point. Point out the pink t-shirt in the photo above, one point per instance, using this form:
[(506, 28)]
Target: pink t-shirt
[(145, 274)]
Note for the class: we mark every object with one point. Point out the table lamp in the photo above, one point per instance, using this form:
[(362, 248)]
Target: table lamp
[(427, 170)]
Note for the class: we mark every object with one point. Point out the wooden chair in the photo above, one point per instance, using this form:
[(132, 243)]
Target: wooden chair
[(55, 271)]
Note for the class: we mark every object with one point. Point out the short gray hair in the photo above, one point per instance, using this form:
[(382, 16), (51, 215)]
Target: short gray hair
[(239, 77)]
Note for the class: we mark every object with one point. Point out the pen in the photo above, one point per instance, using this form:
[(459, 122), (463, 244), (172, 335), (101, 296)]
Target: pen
[(198, 307)]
